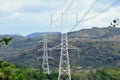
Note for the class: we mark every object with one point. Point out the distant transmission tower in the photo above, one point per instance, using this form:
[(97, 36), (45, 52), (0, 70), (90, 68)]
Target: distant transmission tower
[(45, 63), (64, 66)]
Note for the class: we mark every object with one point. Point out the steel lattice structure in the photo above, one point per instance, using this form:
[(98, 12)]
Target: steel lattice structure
[(45, 58), (64, 67)]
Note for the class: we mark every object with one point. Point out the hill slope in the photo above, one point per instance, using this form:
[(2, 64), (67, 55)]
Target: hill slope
[(33, 35), (96, 33), (99, 47)]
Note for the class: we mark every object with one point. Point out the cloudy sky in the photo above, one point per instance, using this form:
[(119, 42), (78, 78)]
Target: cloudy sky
[(28, 16)]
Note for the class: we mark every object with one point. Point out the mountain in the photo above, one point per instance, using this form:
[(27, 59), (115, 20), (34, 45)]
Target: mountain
[(33, 35), (96, 33), (15, 37), (99, 48)]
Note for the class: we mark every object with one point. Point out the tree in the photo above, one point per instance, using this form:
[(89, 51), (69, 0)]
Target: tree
[(115, 22), (5, 40)]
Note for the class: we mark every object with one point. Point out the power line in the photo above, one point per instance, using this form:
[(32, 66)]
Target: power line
[(50, 24), (94, 15), (86, 13), (101, 11)]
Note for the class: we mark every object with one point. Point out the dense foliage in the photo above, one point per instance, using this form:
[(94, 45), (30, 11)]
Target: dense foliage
[(10, 72), (5, 40), (91, 54), (99, 49)]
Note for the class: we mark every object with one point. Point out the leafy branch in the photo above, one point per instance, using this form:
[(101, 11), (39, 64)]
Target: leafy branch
[(5, 41)]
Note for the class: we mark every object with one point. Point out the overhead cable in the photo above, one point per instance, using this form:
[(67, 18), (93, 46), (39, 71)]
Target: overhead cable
[(83, 20)]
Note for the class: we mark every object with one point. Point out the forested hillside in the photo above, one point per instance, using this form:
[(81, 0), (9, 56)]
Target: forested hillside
[(96, 33), (101, 49), (9, 71)]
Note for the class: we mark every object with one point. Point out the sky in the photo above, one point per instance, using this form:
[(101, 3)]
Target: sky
[(23, 17)]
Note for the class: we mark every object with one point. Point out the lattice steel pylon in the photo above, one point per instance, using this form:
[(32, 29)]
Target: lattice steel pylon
[(45, 63), (64, 67)]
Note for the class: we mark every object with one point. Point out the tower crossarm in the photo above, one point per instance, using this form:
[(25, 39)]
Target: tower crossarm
[(69, 47)]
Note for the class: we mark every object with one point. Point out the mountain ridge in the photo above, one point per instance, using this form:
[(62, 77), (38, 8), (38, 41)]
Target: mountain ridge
[(95, 50), (93, 33), (37, 34), (96, 33)]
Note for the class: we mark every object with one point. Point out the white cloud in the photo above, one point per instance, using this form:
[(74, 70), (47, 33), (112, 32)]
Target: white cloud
[(104, 19), (34, 15)]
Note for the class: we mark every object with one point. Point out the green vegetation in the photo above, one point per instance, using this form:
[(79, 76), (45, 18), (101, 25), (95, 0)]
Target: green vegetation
[(99, 56), (100, 50), (96, 33), (92, 54), (10, 72), (5, 40)]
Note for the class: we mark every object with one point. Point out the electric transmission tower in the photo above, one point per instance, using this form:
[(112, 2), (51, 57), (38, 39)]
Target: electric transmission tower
[(45, 58), (64, 66)]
